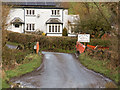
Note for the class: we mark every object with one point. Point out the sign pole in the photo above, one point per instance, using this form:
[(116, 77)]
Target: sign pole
[(37, 49)]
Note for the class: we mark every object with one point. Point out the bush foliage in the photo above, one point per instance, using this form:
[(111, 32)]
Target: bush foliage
[(101, 42), (64, 32), (28, 40), (11, 57)]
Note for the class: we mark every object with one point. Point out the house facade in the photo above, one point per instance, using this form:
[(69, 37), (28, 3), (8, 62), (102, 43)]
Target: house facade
[(33, 17)]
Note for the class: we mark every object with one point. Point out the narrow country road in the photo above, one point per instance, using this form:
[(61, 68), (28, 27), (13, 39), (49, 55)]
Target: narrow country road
[(61, 70)]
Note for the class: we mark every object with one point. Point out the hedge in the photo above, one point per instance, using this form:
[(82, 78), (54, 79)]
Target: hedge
[(10, 56), (28, 40), (64, 43), (101, 42)]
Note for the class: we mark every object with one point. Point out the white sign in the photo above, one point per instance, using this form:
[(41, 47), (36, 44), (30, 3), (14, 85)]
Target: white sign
[(83, 37)]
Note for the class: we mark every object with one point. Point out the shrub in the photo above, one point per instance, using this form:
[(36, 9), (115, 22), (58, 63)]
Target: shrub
[(28, 40), (65, 43), (11, 57), (64, 32), (43, 34), (38, 32), (101, 42)]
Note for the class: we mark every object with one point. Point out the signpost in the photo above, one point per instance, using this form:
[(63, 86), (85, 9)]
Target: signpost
[(84, 38)]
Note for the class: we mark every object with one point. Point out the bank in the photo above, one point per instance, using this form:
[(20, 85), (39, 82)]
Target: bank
[(100, 66), (30, 62)]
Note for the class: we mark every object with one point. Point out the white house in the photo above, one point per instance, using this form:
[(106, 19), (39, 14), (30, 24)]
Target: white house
[(38, 16), (72, 22)]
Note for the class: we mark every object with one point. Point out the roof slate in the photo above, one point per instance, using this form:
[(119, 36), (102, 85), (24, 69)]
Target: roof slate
[(53, 21), (29, 3)]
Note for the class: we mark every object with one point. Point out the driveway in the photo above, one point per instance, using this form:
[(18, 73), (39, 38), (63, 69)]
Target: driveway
[(61, 70)]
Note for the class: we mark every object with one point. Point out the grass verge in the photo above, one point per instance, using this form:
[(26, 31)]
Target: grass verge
[(99, 66), (58, 50), (31, 62)]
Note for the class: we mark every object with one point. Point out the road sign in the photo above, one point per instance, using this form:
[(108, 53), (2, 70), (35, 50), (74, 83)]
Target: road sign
[(83, 37)]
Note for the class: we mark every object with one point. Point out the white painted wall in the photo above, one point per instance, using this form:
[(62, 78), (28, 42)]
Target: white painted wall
[(65, 19), (19, 30), (40, 22), (54, 34), (15, 12)]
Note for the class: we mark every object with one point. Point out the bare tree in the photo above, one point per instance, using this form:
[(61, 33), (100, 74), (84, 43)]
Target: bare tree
[(5, 17)]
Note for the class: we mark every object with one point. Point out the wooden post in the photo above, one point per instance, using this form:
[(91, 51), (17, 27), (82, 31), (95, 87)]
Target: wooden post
[(37, 47)]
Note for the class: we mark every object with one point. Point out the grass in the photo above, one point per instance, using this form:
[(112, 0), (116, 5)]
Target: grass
[(0, 82), (5, 84), (99, 66), (58, 50), (31, 62)]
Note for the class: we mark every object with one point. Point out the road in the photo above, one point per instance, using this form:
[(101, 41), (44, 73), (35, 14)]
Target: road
[(62, 70), (11, 46)]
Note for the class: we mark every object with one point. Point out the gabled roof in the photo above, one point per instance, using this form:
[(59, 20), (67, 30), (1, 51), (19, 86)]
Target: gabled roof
[(53, 21), (30, 2), (17, 20), (44, 4)]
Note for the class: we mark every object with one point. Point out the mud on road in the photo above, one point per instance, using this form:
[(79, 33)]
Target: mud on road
[(61, 70)]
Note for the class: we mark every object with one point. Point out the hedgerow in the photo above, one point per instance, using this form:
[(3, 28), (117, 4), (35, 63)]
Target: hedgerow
[(64, 43), (28, 40)]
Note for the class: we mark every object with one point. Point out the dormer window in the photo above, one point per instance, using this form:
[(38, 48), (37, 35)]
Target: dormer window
[(30, 12), (55, 12)]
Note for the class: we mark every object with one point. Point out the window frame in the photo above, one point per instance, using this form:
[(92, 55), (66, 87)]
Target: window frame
[(55, 12), (54, 28), (30, 12), (59, 28), (30, 26), (58, 12), (50, 28), (17, 26)]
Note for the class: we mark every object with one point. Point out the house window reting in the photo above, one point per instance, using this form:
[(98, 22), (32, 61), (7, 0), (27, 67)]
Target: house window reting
[(54, 28), (58, 28), (30, 27), (50, 28), (30, 12), (56, 12), (17, 25)]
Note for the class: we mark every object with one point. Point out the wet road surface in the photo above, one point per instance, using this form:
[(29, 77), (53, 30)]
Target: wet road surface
[(11, 46), (61, 70)]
